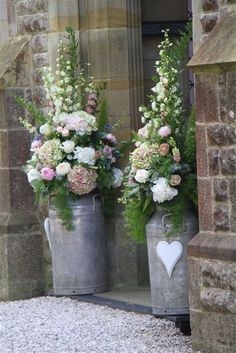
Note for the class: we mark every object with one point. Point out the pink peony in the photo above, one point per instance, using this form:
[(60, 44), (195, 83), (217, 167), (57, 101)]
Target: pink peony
[(47, 173), (59, 129), (164, 131), (92, 103)]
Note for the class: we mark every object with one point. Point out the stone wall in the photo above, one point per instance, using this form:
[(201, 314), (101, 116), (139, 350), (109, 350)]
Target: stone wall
[(212, 253)]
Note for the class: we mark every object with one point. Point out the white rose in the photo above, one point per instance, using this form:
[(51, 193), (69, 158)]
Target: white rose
[(154, 106), (117, 175), (141, 175), (63, 168), (45, 129), (68, 146), (162, 191), (85, 155), (33, 174)]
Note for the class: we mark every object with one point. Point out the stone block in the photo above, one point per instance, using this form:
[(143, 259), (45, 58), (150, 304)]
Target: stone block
[(218, 274), (233, 218), (4, 148), (207, 98), (28, 7), (230, 94), (205, 204), (108, 53), (218, 300), (40, 59), (221, 218), (209, 21), (232, 190), (38, 78), (22, 197), (39, 43), (228, 161), (39, 96), (209, 5), (202, 162), (217, 134), (12, 110), (19, 147), (4, 191), (220, 189), (213, 162), (11, 14), (213, 338), (24, 257), (63, 13), (33, 23)]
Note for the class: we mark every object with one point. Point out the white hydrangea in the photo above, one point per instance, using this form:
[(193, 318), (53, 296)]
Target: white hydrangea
[(63, 168), (85, 155), (117, 175), (33, 174), (162, 191), (68, 146), (141, 175)]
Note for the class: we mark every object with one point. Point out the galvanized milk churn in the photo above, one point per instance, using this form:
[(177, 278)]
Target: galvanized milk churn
[(168, 263), (79, 257)]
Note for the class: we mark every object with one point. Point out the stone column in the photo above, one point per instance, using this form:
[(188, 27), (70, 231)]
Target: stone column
[(212, 253), (110, 38)]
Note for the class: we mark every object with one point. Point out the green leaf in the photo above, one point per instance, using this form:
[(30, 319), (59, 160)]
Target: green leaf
[(102, 116)]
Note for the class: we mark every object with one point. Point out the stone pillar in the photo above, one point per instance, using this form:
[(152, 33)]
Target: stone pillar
[(110, 40), (35, 27), (212, 253)]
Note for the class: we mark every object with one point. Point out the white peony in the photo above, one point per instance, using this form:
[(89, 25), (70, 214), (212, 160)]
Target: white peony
[(162, 191), (45, 129), (63, 168), (33, 174), (117, 175), (68, 146), (85, 155), (141, 175)]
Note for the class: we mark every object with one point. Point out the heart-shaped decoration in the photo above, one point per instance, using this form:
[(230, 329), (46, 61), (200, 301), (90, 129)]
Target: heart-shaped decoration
[(169, 254)]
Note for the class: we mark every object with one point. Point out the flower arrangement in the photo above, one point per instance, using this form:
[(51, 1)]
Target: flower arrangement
[(73, 151), (162, 167)]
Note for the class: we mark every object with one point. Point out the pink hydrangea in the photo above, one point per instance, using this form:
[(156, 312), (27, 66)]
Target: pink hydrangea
[(82, 180), (47, 173), (92, 96), (164, 131)]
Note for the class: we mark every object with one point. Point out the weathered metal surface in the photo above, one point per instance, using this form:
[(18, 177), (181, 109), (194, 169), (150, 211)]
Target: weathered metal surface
[(169, 295), (79, 257)]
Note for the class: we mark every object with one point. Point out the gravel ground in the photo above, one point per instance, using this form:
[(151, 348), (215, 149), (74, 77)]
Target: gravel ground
[(62, 325)]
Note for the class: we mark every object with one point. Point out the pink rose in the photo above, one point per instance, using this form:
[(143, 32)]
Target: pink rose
[(164, 149), (65, 132), (164, 131), (59, 129), (47, 173)]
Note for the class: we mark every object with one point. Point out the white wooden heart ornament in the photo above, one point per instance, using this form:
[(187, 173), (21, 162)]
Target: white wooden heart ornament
[(169, 254)]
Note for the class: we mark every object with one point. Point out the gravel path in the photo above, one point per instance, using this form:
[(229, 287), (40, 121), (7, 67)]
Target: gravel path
[(62, 325)]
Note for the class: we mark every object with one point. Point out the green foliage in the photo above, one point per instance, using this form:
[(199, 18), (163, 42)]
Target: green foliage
[(35, 113), (102, 116), (178, 51), (64, 211), (137, 213)]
